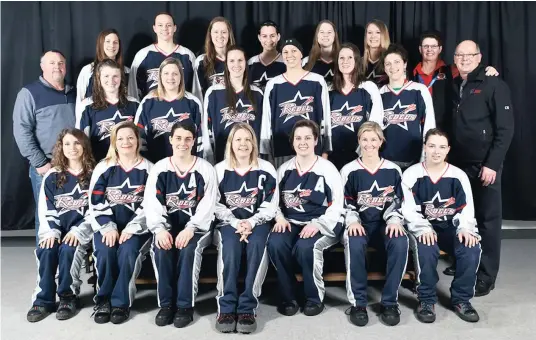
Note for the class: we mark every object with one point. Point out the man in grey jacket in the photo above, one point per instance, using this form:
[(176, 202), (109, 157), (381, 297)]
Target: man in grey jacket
[(42, 109)]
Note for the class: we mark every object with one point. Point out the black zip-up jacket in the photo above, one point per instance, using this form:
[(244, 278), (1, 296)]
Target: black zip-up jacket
[(482, 123)]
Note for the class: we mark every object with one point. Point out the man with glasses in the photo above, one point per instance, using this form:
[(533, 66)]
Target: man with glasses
[(482, 127)]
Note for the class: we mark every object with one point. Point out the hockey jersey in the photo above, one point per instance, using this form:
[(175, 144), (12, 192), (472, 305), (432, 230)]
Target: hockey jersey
[(408, 115), (260, 73), (84, 83), (177, 201), (285, 103), (65, 209), (219, 118), (350, 110), (322, 68), (155, 118), (444, 203), (312, 196), (98, 125), (146, 65), (116, 197), (372, 195), (251, 196), (200, 75), (376, 74)]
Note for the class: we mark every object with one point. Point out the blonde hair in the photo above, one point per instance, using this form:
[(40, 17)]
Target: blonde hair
[(230, 156), (160, 91), (112, 156), (385, 41), (371, 126)]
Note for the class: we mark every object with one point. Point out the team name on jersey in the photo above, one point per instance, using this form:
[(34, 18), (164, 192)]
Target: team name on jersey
[(67, 203), (293, 200), (162, 125), (236, 200), (404, 116), (237, 116), (337, 118), (118, 197), (291, 109), (174, 202), (366, 199), (106, 125), (436, 213)]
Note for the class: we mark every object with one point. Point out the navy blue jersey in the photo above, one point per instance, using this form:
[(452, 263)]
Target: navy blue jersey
[(98, 125), (372, 195), (408, 115), (156, 117), (376, 74), (260, 73), (251, 196), (350, 110), (146, 65), (446, 202), (63, 210), (116, 197), (286, 103), (219, 118), (314, 195), (204, 81), (323, 68)]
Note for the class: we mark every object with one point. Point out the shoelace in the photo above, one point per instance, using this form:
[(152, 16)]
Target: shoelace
[(97, 308), (394, 308), (226, 317), (349, 310), (427, 307), (466, 306), (246, 316)]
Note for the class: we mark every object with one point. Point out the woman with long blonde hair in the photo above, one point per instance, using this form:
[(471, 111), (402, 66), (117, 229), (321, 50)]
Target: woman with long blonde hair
[(246, 203), (121, 238), (376, 42), (323, 55)]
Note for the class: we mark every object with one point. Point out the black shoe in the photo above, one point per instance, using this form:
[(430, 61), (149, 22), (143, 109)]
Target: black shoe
[(359, 316), (164, 316), (450, 271), (466, 312), (312, 309), (119, 315), (226, 322), (482, 288), (390, 315), (102, 312), (67, 307), (288, 308), (37, 313), (246, 323), (183, 317), (426, 312)]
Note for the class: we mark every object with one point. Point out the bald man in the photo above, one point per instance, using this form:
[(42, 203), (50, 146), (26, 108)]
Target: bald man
[(482, 128), (42, 109)]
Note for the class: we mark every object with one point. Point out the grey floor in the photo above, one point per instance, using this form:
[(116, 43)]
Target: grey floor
[(507, 313)]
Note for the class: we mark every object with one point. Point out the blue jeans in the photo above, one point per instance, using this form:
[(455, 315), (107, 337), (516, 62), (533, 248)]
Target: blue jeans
[(36, 180)]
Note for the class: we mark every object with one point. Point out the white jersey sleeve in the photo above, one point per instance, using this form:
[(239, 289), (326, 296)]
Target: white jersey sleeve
[(416, 222), (82, 83), (204, 214)]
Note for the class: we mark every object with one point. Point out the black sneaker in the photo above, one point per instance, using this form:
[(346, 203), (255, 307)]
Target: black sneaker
[(246, 323), (466, 312), (450, 271), (288, 308), (390, 315), (312, 309), (164, 316), (482, 288), (119, 315), (102, 312), (37, 313), (67, 307), (226, 322), (183, 317), (358, 316), (426, 312)]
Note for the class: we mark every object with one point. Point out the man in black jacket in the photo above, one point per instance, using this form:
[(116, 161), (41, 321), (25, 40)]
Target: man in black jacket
[(482, 127)]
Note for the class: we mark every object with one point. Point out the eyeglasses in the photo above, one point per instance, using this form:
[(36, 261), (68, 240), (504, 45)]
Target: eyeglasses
[(468, 56), (430, 47)]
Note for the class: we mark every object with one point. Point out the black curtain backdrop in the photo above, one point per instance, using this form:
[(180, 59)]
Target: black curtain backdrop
[(504, 30)]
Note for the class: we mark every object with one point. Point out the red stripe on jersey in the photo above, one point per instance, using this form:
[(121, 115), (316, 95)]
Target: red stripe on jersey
[(97, 192), (158, 192), (460, 208), (141, 126)]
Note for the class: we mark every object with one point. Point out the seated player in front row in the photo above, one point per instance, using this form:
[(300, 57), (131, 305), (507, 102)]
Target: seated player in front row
[(180, 199), (308, 222), (121, 240), (438, 206), (246, 205), (64, 229), (373, 194)]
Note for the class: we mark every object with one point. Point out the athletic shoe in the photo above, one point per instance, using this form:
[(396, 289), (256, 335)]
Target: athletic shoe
[(359, 316), (426, 312), (288, 308), (466, 312), (390, 315), (119, 315), (312, 309), (246, 323), (165, 316), (183, 317), (37, 313), (482, 288), (226, 322), (67, 307), (450, 271), (102, 312)]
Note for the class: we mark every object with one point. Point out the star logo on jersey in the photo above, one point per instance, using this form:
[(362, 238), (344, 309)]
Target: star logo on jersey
[(174, 202), (291, 109), (243, 114), (106, 125), (329, 73), (375, 197), (346, 116), (152, 77), (163, 124), (242, 198), (216, 79), (390, 117), (294, 198), (66, 202), (442, 211), (263, 79), (125, 194)]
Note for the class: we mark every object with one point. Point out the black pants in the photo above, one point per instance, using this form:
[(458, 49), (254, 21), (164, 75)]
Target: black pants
[(488, 213)]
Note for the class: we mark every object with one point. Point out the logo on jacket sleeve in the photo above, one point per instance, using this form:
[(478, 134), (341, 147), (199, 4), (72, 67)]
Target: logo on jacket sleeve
[(163, 124), (244, 113), (292, 109), (442, 211)]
